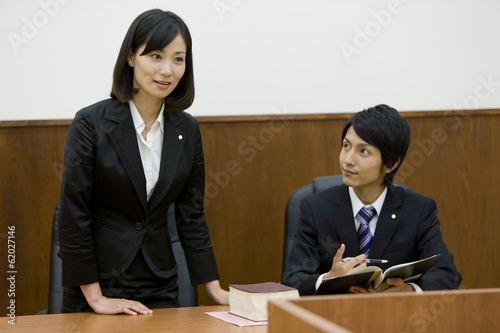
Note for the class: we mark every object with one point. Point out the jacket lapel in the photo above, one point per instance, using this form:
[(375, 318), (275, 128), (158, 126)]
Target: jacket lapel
[(173, 144), (387, 224), (342, 214), (124, 140)]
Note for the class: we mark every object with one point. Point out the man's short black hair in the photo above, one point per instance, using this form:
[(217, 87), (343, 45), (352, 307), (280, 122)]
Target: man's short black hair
[(383, 127)]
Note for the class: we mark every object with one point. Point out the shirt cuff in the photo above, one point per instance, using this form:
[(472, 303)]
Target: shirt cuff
[(318, 281), (417, 288)]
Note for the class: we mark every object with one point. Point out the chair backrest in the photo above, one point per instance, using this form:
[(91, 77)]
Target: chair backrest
[(187, 293), (55, 286), (292, 212)]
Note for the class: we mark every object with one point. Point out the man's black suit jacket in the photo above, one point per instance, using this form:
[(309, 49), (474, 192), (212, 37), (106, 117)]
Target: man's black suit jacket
[(407, 230), (105, 217)]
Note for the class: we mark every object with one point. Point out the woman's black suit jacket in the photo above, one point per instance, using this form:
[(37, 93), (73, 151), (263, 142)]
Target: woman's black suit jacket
[(105, 217)]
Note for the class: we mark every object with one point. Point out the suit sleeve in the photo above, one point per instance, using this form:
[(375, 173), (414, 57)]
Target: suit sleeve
[(191, 223), (79, 265), (301, 270), (443, 274)]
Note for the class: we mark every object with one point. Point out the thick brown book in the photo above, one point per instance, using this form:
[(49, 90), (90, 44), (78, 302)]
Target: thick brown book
[(250, 300), (407, 271)]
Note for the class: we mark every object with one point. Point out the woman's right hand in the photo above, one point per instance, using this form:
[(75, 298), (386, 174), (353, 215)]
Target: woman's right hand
[(104, 305)]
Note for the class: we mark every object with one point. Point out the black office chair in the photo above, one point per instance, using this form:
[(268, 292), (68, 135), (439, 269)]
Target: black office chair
[(187, 293), (55, 286), (292, 212)]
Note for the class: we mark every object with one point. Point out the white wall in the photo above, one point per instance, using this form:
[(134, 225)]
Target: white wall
[(261, 56)]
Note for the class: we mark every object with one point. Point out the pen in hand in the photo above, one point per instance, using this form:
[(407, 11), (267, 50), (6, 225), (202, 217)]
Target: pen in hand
[(368, 261)]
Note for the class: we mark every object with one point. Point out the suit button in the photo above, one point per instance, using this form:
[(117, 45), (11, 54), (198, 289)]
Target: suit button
[(138, 226)]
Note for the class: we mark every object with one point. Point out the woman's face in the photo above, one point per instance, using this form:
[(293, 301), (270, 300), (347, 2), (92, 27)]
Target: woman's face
[(156, 74)]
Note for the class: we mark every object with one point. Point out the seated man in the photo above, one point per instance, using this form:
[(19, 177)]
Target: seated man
[(404, 226)]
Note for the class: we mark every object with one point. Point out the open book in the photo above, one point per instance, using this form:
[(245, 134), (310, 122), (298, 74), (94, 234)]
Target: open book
[(407, 271)]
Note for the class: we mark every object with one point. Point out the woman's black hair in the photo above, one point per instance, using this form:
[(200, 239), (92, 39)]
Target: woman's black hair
[(155, 29), (383, 127)]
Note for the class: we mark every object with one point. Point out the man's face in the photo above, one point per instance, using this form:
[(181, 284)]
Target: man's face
[(361, 164)]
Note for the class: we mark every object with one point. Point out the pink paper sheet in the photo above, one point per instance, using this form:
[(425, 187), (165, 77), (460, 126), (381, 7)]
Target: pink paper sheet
[(235, 320)]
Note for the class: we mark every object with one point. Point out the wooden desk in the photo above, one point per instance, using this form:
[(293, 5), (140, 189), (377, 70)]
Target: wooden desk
[(468, 310), (162, 320)]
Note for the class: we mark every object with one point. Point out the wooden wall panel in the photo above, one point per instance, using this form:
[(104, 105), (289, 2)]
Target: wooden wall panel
[(460, 172), (246, 218), (30, 170), (253, 164)]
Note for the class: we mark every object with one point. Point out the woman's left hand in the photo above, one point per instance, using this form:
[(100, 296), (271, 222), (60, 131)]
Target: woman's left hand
[(218, 294)]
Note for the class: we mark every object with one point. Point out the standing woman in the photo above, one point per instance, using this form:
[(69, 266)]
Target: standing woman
[(126, 160)]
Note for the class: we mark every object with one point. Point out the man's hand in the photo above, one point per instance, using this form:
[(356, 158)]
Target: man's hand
[(343, 268), (395, 285)]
